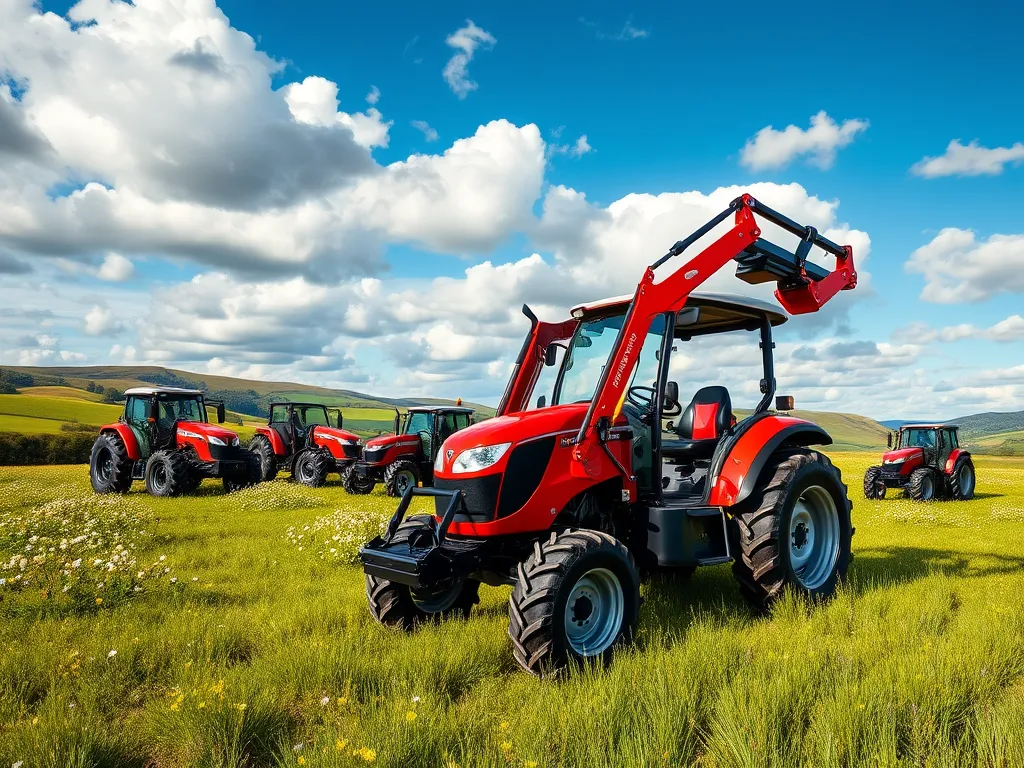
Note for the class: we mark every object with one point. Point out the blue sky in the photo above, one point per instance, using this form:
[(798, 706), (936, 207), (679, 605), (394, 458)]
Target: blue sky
[(670, 100)]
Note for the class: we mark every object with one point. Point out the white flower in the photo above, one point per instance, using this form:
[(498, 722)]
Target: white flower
[(162, 558), (325, 701), (298, 747), (17, 764), (112, 654), (415, 699), (174, 580), (76, 563)]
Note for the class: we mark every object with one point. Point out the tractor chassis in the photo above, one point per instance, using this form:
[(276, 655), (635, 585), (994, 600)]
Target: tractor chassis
[(214, 469), (441, 560)]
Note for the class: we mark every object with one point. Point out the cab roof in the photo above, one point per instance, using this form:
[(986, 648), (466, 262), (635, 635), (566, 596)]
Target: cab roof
[(719, 312), (929, 426), (435, 408), (150, 391)]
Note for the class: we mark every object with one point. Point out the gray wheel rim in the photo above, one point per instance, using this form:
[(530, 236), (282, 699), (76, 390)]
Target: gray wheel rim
[(814, 537), (966, 480), (159, 476), (436, 602), (927, 488), (594, 612), (105, 465), (403, 480)]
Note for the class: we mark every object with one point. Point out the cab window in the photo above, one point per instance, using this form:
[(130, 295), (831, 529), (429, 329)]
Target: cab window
[(419, 422), (279, 414), (461, 420), (135, 411), (314, 416)]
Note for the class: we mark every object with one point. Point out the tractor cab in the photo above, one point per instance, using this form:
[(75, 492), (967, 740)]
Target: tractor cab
[(926, 462), (305, 439), (155, 415)]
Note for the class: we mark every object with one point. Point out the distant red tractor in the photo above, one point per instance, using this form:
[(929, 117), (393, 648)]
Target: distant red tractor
[(166, 439), (300, 438), (406, 459), (927, 462)]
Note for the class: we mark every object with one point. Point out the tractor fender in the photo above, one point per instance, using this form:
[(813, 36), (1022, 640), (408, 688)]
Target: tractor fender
[(749, 454), (275, 440), (127, 437), (954, 456)]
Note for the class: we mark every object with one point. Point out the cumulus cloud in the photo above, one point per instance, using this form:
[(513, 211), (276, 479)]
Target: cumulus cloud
[(771, 148), (373, 96), (101, 321), (465, 41), (958, 268), (1007, 330), (314, 101), (116, 268), (577, 149), (424, 127), (969, 160)]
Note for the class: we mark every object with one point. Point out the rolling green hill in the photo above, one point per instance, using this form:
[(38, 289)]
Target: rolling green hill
[(991, 423), (849, 432)]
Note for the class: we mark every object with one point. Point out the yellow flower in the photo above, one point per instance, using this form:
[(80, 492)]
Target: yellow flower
[(506, 746), (410, 716), (202, 705), (342, 701), (99, 601), (503, 724), (340, 744), (302, 760), (531, 764), (366, 753), (240, 706), (35, 721)]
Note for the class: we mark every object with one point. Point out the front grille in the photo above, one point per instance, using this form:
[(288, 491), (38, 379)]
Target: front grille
[(526, 467), (373, 455), (225, 452), (350, 451), (480, 493)]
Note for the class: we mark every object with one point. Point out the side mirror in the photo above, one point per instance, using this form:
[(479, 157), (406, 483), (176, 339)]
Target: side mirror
[(784, 403), (688, 316), (889, 436), (220, 413), (542, 401), (551, 355), (672, 391)]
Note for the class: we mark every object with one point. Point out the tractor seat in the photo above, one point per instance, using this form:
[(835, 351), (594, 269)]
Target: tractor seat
[(700, 426)]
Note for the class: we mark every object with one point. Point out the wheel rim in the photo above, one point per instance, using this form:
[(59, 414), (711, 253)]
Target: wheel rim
[(594, 612), (305, 471), (966, 480), (435, 602), (159, 476), (104, 465), (814, 537), (927, 488), (403, 481)]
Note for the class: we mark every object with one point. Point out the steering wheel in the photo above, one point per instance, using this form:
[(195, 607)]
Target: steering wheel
[(633, 395)]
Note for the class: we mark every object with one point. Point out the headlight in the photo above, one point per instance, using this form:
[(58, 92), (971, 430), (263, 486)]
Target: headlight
[(476, 459), (215, 440), (900, 460)]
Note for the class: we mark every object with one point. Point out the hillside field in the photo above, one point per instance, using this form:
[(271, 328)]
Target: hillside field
[(248, 643)]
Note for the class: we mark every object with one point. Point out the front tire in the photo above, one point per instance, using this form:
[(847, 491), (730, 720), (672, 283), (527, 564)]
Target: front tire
[(400, 476), (264, 451), (794, 530), (921, 486), (576, 599), (110, 469), (167, 473), (249, 477), (311, 467), (874, 486), (961, 483), (354, 484), (399, 606)]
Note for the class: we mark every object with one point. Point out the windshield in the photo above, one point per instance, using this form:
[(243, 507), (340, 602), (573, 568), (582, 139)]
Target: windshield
[(314, 416), (918, 438), (170, 410), (419, 422), (588, 352)]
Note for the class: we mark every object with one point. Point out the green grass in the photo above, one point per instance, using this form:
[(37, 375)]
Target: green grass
[(59, 409), (260, 647), (66, 392)]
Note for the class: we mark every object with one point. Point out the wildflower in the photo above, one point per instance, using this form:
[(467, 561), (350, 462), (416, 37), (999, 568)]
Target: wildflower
[(99, 601), (503, 724), (302, 760), (17, 764), (298, 747), (533, 763), (112, 654), (35, 721), (340, 745), (240, 706), (415, 699), (369, 755), (410, 716), (506, 746), (174, 580), (342, 701), (325, 701)]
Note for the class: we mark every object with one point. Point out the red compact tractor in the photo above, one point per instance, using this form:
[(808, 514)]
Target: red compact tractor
[(301, 439), (165, 438), (571, 501), (406, 459), (926, 462)]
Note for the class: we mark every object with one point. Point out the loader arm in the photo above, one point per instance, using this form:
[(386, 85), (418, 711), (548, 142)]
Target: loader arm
[(802, 287)]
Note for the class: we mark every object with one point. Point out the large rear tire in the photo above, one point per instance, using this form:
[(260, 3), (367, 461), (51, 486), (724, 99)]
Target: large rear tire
[(398, 605), (922, 485), (961, 483), (249, 477), (576, 599), (167, 473), (311, 467), (399, 476), (110, 469), (874, 486), (794, 530), (264, 451), (354, 484)]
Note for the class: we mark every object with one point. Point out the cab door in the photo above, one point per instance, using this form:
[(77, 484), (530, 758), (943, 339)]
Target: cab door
[(136, 416)]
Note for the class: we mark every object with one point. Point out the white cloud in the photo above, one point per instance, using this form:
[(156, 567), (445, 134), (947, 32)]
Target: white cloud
[(314, 101), (969, 160), (465, 41), (958, 268), (101, 321), (373, 96), (424, 127), (577, 149), (628, 31), (1007, 330), (116, 268), (771, 148)]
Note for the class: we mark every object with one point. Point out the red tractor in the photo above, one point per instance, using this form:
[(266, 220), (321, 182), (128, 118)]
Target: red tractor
[(927, 462), (301, 439), (166, 439), (406, 459), (572, 500)]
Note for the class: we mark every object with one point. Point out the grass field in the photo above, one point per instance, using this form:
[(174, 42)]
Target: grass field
[(261, 652)]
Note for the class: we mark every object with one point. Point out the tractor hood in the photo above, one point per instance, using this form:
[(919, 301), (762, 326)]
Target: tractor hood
[(518, 427), (335, 433), (206, 430), (901, 455), (387, 441)]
